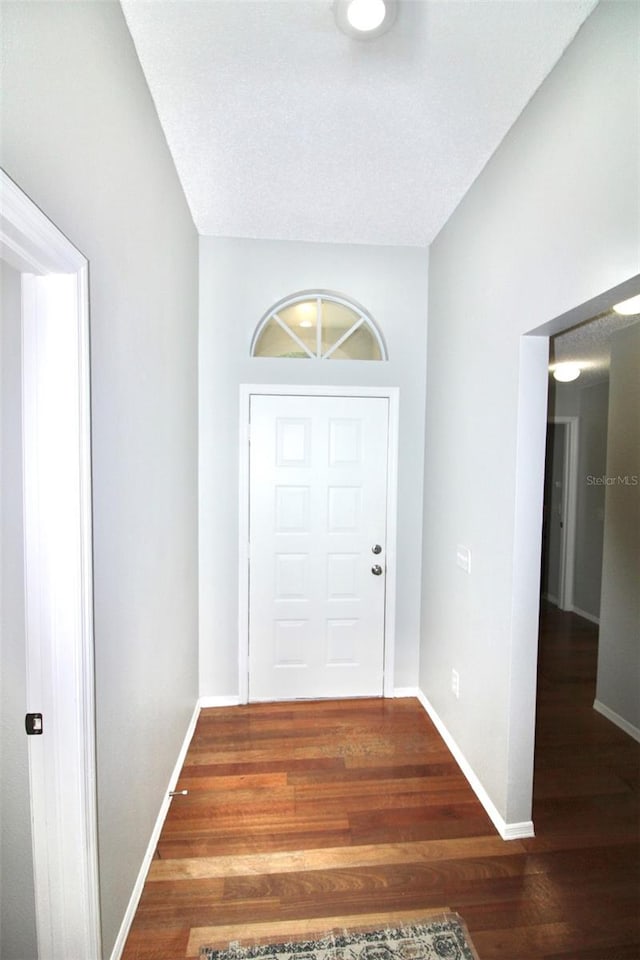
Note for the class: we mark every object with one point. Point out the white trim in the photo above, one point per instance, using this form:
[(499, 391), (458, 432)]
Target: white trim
[(291, 333), (508, 831), (585, 615), (319, 327), (392, 394), (516, 831), (345, 336), (58, 575), (400, 693), (525, 582), (29, 241), (243, 551), (392, 543), (207, 702), (619, 721), (138, 887)]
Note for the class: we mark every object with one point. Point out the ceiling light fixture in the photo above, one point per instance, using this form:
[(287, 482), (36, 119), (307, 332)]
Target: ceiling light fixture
[(628, 307), (364, 19), (566, 372), (366, 15), (307, 311)]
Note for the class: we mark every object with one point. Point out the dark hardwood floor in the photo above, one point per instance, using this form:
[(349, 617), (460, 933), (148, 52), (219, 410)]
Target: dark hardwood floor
[(304, 816)]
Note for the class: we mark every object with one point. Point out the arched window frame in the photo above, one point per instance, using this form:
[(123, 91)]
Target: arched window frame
[(364, 318)]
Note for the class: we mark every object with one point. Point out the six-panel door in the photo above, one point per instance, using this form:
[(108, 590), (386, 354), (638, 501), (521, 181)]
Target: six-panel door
[(317, 530)]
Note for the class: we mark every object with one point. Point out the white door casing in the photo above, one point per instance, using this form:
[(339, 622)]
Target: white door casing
[(319, 495), (58, 575)]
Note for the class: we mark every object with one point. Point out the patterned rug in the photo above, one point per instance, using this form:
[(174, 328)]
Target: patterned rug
[(444, 938)]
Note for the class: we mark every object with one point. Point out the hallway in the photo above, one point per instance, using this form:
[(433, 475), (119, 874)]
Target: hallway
[(301, 812)]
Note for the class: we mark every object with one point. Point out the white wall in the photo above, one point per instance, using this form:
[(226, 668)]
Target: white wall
[(240, 280), (619, 640), (17, 903), (550, 223), (82, 139)]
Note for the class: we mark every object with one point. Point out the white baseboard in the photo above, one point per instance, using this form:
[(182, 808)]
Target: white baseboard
[(219, 702), (399, 692), (515, 831), (508, 831), (585, 615), (617, 719), (130, 912)]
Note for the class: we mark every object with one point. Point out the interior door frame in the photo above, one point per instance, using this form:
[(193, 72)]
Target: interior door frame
[(392, 394), (58, 574), (569, 502)]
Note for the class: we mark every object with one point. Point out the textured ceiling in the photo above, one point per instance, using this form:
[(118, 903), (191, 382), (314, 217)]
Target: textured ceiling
[(589, 345), (281, 127)]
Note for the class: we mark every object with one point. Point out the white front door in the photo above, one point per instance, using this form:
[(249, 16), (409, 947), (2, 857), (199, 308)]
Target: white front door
[(317, 530)]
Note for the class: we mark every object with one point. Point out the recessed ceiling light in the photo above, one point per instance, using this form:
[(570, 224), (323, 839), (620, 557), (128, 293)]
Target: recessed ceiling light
[(364, 19), (366, 15), (566, 372), (628, 307)]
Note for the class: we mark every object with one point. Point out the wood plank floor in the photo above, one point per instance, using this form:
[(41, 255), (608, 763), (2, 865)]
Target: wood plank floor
[(302, 816)]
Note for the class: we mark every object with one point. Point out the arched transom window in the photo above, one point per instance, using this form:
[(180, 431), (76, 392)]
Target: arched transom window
[(315, 324)]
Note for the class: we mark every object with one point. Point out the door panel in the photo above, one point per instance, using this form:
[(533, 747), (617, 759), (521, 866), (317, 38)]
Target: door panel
[(318, 499)]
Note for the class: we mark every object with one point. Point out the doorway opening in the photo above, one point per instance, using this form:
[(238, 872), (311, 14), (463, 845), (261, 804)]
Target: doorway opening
[(530, 468)]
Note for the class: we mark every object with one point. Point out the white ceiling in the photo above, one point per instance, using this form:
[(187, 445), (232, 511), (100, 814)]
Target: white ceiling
[(281, 127)]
